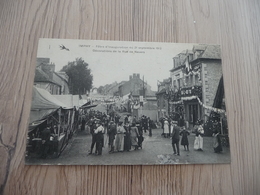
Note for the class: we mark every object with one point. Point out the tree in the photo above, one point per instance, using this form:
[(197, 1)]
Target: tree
[(101, 89), (80, 77)]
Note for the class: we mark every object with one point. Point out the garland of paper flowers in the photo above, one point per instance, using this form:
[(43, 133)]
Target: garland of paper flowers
[(217, 110), (194, 71)]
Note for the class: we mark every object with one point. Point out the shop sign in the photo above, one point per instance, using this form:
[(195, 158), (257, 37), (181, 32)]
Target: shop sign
[(191, 91), (186, 92)]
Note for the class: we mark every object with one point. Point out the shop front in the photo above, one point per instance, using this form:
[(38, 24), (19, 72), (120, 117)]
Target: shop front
[(185, 104)]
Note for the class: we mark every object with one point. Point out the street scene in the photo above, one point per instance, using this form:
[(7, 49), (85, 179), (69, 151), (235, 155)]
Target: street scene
[(127, 103)]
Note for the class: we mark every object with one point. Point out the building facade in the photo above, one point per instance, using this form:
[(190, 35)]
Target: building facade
[(196, 84), (163, 98), (134, 85), (55, 83)]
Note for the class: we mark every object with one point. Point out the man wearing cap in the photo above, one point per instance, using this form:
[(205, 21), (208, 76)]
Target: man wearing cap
[(46, 134), (112, 130), (99, 131), (94, 136), (175, 140)]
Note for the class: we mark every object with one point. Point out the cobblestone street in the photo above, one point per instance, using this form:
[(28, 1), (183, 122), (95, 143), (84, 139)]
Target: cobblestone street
[(156, 150)]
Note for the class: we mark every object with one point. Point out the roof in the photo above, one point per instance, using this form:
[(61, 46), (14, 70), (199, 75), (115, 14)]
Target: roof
[(41, 76), (42, 99), (161, 91), (59, 74), (208, 51), (43, 104), (122, 83), (212, 52)]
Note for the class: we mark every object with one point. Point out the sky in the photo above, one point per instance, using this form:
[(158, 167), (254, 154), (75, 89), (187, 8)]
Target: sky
[(112, 61)]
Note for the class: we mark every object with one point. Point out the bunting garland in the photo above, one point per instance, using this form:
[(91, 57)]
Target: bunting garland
[(217, 110)]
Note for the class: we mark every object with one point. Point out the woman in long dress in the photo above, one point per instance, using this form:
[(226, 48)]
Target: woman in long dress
[(198, 143), (166, 129), (127, 138), (134, 136), (119, 143), (184, 139), (217, 142)]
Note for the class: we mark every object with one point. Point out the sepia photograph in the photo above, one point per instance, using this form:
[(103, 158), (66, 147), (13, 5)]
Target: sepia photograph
[(100, 102)]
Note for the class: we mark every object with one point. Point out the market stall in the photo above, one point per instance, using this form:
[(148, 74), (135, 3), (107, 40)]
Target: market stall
[(48, 112)]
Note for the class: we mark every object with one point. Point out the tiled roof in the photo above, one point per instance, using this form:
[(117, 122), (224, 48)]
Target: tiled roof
[(208, 51), (41, 76), (211, 52)]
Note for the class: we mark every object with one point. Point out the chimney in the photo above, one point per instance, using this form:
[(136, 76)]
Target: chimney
[(130, 77), (138, 76)]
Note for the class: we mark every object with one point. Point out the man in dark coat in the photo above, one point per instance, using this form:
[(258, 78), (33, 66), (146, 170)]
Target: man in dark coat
[(94, 136), (111, 135), (99, 132), (46, 134), (176, 140), (83, 123), (150, 125)]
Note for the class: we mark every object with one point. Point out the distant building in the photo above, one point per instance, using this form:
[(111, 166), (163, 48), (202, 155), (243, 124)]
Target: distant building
[(141, 99), (135, 85), (112, 89), (46, 78), (162, 98), (62, 78)]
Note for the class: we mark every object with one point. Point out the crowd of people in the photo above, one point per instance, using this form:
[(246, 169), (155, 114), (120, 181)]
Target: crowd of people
[(176, 129), (124, 133)]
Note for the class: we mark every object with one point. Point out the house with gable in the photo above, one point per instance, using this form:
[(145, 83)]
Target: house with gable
[(55, 83), (197, 84)]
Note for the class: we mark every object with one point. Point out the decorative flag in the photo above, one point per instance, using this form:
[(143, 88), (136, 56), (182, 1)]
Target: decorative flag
[(187, 66)]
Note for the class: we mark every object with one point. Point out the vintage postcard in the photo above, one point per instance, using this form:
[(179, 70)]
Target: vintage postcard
[(127, 103)]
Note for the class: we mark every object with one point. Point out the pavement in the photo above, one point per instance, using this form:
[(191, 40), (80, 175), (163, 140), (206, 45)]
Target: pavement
[(156, 150)]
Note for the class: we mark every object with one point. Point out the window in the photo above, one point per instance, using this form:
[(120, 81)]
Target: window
[(179, 83), (174, 83), (191, 80), (196, 79)]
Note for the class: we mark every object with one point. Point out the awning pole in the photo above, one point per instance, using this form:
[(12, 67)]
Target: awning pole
[(59, 124)]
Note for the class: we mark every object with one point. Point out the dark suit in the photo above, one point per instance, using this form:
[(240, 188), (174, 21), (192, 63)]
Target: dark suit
[(176, 140), (46, 133)]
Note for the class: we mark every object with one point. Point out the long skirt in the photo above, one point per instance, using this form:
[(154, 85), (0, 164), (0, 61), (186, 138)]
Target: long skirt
[(127, 142), (184, 140), (198, 143), (119, 143), (166, 129), (134, 141), (217, 144)]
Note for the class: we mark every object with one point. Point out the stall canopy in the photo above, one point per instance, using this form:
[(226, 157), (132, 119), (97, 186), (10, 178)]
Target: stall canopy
[(71, 100), (44, 104), (66, 99)]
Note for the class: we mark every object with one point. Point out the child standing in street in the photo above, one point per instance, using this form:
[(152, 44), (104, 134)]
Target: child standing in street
[(184, 140)]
